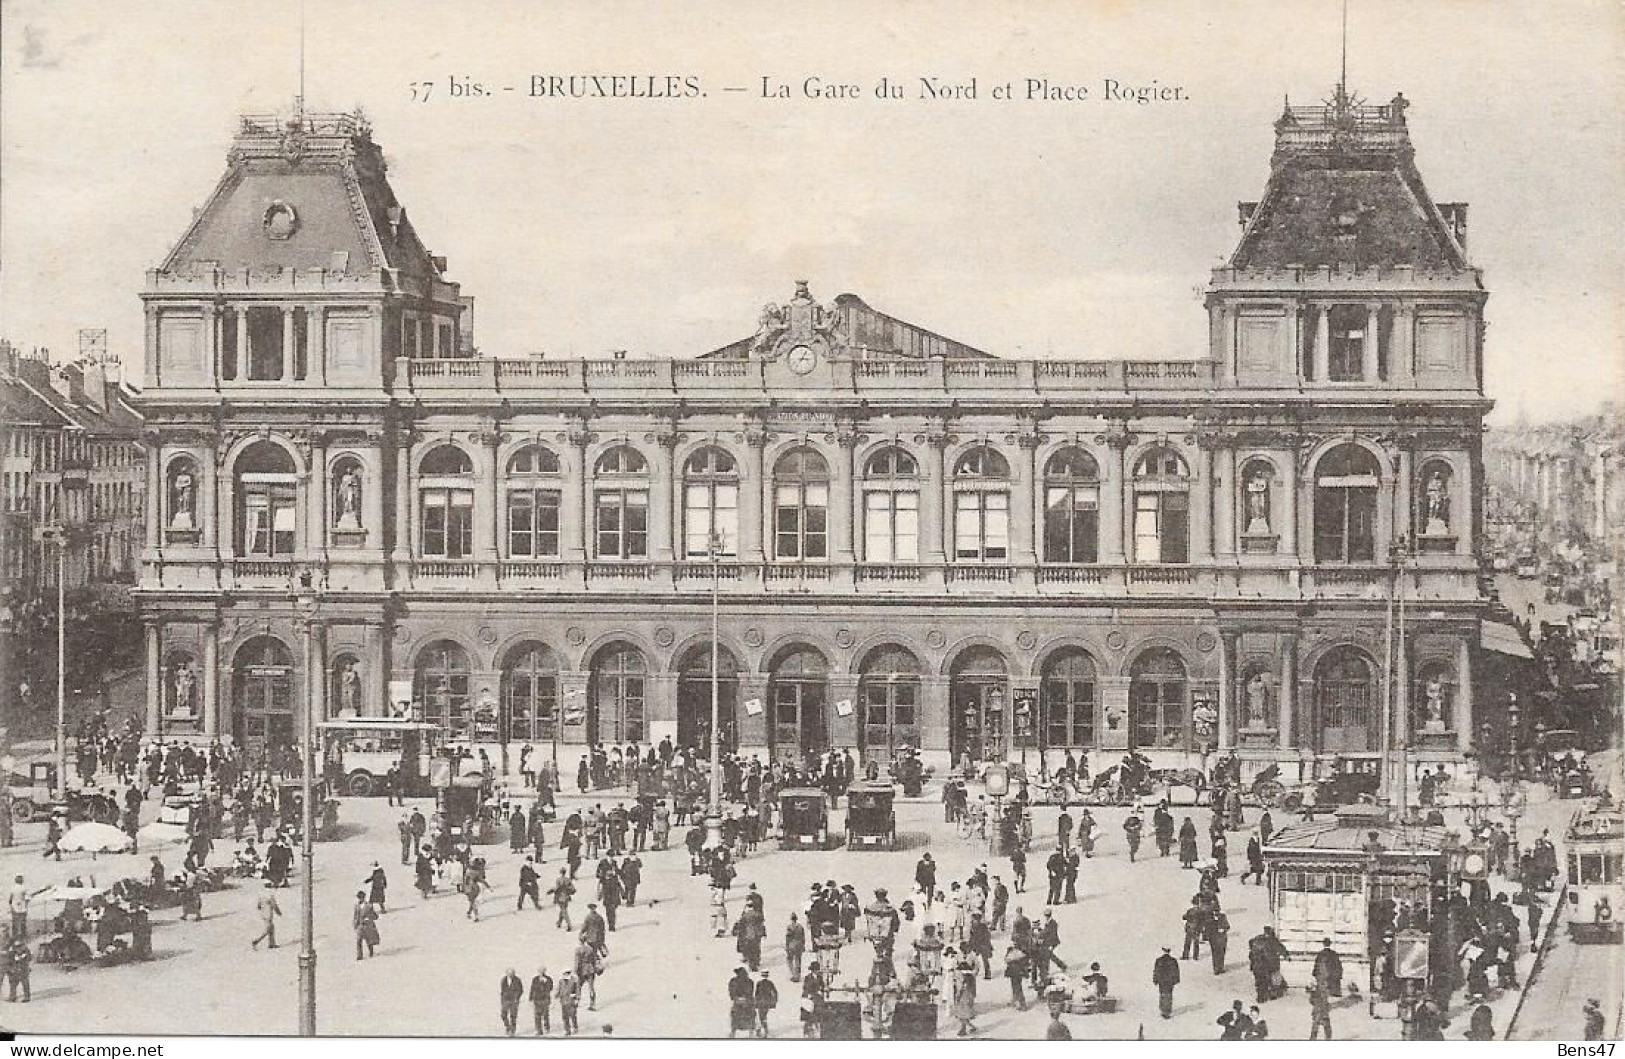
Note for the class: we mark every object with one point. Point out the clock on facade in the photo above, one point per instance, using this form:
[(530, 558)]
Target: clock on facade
[(801, 359)]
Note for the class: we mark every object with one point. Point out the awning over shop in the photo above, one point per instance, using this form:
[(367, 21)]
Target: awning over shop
[(1503, 639)]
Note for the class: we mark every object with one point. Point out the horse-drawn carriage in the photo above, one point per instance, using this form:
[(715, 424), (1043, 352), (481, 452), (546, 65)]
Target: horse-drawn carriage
[(1135, 779)]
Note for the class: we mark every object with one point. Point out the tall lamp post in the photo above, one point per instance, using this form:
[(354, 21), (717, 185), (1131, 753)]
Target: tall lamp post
[(713, 815), (306, 606), (57, 535)]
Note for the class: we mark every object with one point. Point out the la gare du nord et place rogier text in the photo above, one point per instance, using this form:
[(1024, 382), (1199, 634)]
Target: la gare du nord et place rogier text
[(678, 86)]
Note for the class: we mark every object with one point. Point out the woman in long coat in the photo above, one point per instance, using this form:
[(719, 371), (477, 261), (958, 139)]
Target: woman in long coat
[(1187, 843), (964, 996)]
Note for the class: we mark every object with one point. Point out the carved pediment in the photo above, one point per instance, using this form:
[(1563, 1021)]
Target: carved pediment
[(799, 322)]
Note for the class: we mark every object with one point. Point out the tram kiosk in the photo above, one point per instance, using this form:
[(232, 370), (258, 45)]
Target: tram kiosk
[(1362, 880)]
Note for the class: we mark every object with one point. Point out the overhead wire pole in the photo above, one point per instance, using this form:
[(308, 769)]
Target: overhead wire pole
[(713, 823), (61, 663)]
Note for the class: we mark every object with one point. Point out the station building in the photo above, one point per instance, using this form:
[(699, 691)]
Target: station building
[(911, 542)]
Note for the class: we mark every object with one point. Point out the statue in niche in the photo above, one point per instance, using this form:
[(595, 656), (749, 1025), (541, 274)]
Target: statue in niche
[(350, 689), (182, 498), (1436, 505), (348, 500), (1258, 503), (1114, 717), (1433, 704), (1258, 701), (184, 685)]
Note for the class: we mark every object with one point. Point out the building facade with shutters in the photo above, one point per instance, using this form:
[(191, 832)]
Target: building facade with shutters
[(911, 542)]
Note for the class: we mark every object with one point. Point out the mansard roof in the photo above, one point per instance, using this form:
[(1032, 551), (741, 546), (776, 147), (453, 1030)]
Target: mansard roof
[(1344, 192), (847, 327), (303, 193)]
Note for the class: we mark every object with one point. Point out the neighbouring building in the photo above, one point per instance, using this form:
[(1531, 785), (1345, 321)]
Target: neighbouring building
[(914, 542)]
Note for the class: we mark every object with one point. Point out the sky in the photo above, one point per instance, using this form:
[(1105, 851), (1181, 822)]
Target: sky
[(1026, 228)]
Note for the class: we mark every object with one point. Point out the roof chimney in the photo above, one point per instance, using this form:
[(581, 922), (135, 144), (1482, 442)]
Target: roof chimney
[(94, 386)]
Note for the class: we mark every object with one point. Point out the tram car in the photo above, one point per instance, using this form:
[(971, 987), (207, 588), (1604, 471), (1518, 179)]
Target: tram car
[(1596, 847)]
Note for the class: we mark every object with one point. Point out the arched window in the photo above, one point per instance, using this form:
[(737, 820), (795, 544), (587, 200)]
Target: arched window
[(1068, 697), (262, 694), (348, 481), (1432, 492), (267, 501), (710, 503), (181, 496), (694, 698), (1071, 508), (799, 691), (801, 506), (530, 694), (982, 505), (1161, 508), (621, 504), (891, 507), (446, 503), (618, 689), (1343, 693), (1257, 509), (1346, 481), (1158, 699), (440, 687), (889, 689), (535, 491), (1433, 697)]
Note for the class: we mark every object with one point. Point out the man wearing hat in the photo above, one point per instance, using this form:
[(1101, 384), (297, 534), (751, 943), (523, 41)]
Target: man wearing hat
[(1165, 975), (1596, 1024)]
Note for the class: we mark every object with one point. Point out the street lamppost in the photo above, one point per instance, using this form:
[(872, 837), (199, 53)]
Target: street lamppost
[(56, 534), (713, 816), (1396, 712), (306, 606)]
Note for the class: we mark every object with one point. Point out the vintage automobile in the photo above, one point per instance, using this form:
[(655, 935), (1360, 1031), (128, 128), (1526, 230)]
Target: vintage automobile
[(803, 818), (468, 798), (290, 813), (1352, 780), (870, 820), (33, 797)]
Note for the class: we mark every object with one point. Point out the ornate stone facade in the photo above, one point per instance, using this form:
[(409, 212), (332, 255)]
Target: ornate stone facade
[(912, 542)]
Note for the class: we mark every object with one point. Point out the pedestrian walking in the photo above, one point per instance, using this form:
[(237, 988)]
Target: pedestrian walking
[(963, 1007), (795, 946), (408, 842), (530, 885), (586, 969), (719, 912), (766, 999), (1187, 844), (473, 882), (1132, 827), (17, 902), (569, 1002), (1320, 1010), (1016, 969), (563, 890), (378, 888), (1162, 825), (1328, 969), (364, 922), (510, 992), (19, 962), (1165, 976), (541, 1001), (268, 910), (631, 877), (1218, 937), (741, 1003)]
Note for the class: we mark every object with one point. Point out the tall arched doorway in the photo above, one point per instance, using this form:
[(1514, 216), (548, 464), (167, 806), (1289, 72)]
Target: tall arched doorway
[(889, 691), (619, 685), (694, 699), (262, 695), (1344, 697), (978, 697), (800, 700)]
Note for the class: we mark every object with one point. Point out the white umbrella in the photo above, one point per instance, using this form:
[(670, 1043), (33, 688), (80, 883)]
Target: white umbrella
[(160, 833), (95, 838), (70, 893)]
